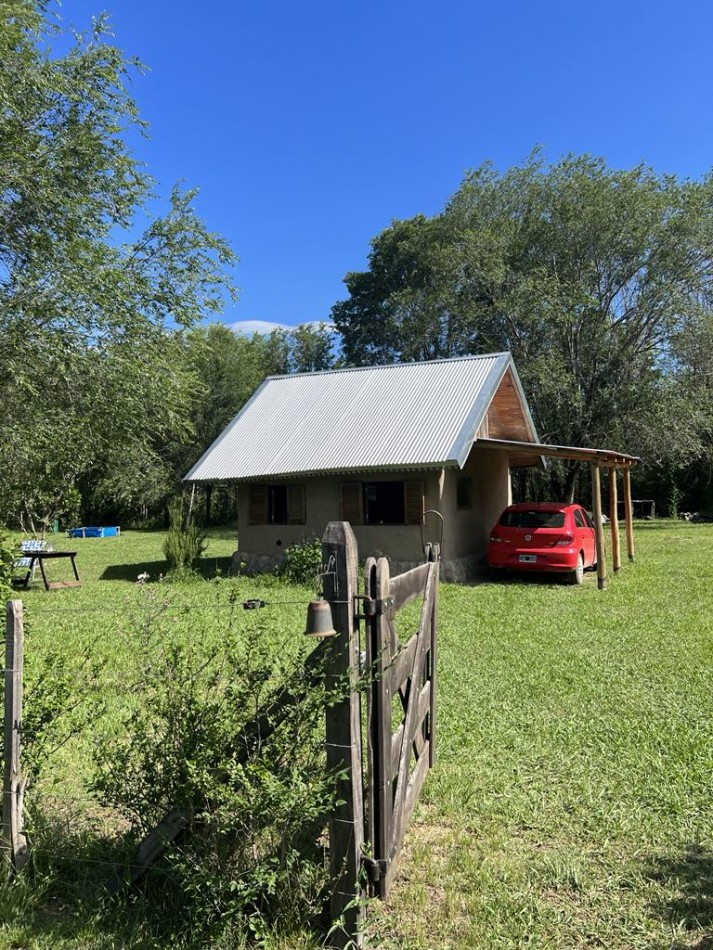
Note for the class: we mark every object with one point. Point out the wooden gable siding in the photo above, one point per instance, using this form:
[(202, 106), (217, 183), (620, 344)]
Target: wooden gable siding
[(506, 418)]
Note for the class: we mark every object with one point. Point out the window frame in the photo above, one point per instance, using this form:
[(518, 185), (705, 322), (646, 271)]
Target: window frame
[(261, 503), (354, 502)]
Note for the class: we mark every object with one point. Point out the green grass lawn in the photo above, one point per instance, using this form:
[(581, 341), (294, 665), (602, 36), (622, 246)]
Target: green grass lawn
[(572, 803)]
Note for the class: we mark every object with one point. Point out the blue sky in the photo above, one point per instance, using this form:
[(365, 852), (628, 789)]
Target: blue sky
[(309, 126)]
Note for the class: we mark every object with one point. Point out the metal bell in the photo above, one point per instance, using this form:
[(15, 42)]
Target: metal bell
[(319, 619)]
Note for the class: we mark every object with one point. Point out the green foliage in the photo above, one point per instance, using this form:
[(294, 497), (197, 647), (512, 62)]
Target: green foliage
[(301, 562), (674, 500), (185, 543), (88, 303), (251, 860), (100, 278), (62, 697), (7, 555), (311, 348)]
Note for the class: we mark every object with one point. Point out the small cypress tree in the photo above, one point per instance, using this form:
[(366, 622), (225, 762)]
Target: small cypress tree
[(184, 543)]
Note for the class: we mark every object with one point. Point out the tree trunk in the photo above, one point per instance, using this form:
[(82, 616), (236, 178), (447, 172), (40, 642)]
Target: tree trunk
[(570, 482)]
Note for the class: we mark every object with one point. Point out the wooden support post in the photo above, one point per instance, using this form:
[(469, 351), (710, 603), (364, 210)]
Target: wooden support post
[(598, 527), (13, 783), (343, 727), (614, 519), (628, 514)]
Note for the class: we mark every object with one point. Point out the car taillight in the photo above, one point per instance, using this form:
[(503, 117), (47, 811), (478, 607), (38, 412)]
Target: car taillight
[(494, 537), (566, 539)]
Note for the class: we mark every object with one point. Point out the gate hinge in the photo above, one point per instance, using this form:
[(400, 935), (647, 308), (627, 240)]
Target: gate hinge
[(373, 606), (375, 870)]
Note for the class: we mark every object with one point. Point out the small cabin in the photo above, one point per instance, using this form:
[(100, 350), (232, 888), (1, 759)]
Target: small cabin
[(408, 453)]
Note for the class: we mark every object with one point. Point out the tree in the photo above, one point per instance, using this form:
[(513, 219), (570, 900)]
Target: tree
[(586, 274), (88, 379), (228, 368), (311, 348)]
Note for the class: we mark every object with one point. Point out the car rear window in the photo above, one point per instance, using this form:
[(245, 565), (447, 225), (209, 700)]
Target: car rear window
[(532, 519)]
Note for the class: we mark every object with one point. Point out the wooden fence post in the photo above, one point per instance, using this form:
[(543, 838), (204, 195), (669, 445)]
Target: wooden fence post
[(343, 736), (13, 783)]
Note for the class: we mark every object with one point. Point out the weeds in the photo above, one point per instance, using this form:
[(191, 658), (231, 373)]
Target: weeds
[(301, 562)]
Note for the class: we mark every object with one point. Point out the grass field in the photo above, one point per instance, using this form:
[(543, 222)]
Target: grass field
[(572, 804)]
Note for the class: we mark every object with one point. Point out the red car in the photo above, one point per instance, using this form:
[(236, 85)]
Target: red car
[(544, 536)]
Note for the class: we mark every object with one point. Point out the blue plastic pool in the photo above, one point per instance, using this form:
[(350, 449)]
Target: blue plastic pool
[(94, 532)]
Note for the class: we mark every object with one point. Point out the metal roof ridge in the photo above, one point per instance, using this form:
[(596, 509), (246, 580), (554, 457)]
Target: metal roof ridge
[(375, 366)]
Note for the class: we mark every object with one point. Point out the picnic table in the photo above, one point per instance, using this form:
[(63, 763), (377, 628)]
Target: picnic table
[(39, 557)]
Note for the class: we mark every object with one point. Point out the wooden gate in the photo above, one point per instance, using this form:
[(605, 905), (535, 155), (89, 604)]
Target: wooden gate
[(377, 793), (403, 676)]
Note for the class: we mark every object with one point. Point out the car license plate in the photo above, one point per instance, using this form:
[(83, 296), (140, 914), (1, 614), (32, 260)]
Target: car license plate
[(528, 559)]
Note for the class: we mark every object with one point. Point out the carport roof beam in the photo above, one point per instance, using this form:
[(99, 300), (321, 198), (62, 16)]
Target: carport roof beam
[(603, 457)]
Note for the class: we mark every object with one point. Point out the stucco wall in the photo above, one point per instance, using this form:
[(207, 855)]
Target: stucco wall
[(465, 533), (467, 530), (323, 504)]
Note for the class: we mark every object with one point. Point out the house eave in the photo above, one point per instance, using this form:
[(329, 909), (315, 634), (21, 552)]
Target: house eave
[(327, 473)]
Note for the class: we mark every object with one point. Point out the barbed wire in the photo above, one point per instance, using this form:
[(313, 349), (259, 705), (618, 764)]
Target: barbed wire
[(183, 608)]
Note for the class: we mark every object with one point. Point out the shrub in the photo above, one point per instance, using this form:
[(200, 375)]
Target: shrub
[(301, 562), (184, 543), (254, 856)]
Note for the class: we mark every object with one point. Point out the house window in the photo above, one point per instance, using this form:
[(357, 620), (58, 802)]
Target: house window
[(464, 492), (384, 503), (397, 502), (277, 504)]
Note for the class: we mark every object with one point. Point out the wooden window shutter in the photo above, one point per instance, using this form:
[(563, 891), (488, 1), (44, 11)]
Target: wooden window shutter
[(414, 502), (351, 503), (258, 504), (296, 513)]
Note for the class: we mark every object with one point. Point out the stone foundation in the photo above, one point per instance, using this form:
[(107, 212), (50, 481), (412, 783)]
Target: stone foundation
[(246, 563)]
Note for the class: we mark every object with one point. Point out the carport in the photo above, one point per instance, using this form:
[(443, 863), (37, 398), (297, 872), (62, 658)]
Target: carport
[(529, 453)]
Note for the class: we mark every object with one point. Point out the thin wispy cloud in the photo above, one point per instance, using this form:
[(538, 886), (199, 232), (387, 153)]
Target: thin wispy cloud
[(248, 327)]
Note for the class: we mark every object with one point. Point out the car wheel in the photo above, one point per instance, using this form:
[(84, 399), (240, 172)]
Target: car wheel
[(577, 575)]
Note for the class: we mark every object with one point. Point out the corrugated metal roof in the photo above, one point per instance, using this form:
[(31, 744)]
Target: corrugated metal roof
[(377, 418)]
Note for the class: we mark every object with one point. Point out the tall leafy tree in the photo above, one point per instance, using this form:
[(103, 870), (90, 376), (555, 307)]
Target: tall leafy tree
[(585, 273), (88, 309)]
